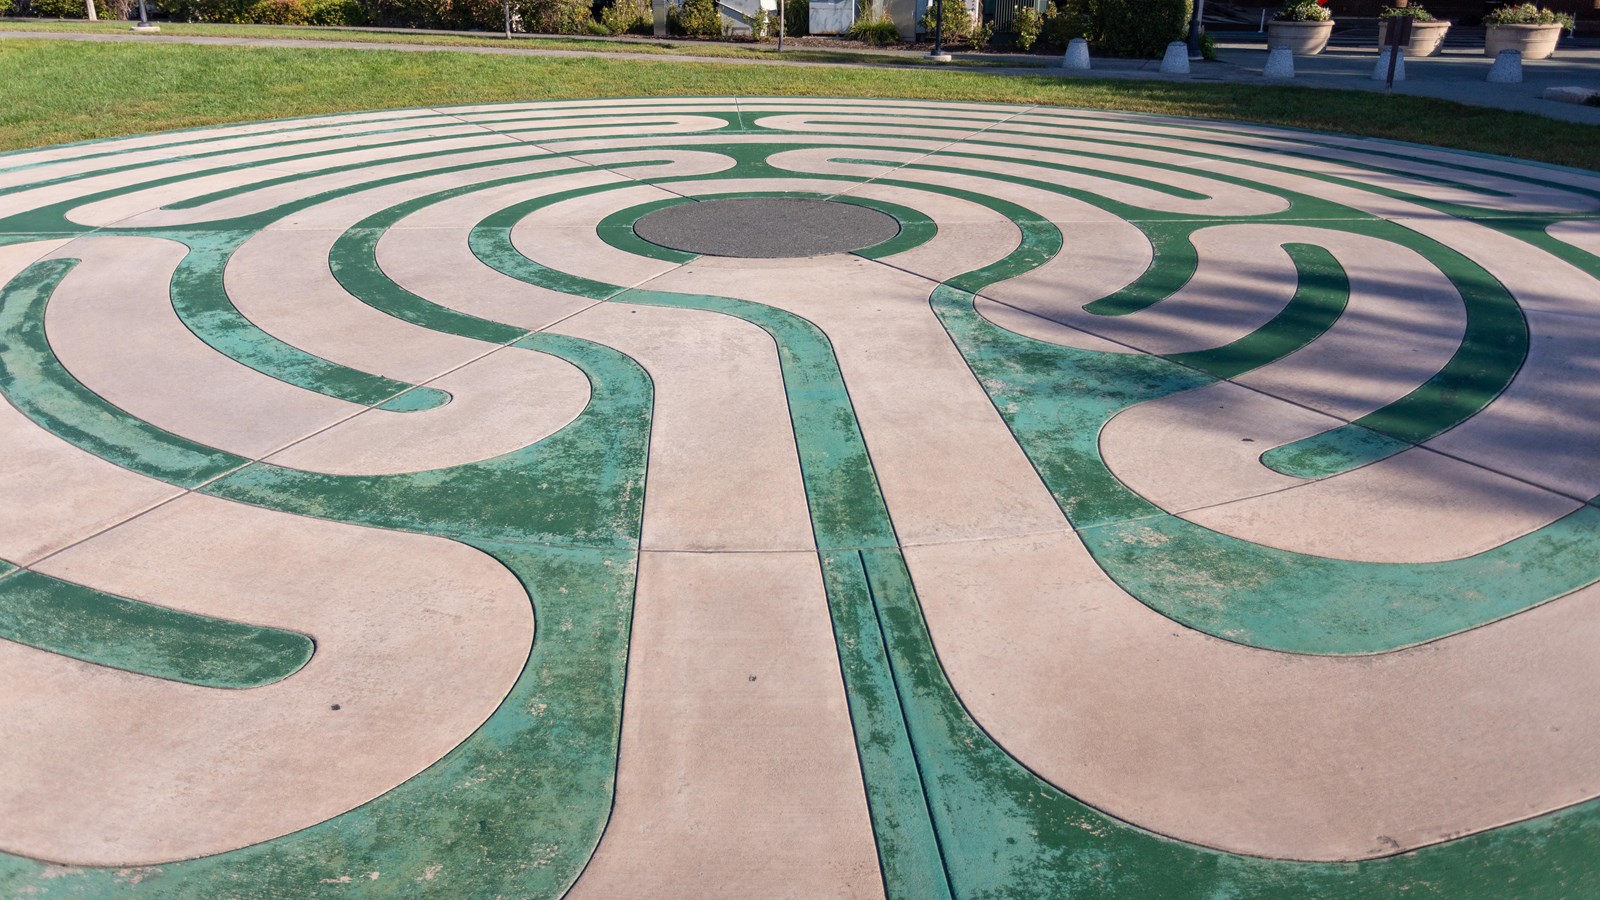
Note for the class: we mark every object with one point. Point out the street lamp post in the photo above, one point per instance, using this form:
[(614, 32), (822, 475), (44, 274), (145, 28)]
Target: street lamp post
[(938, 54)]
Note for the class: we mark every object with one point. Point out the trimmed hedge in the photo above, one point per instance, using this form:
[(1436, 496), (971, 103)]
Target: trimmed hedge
[(1138, 28), (63, 9)]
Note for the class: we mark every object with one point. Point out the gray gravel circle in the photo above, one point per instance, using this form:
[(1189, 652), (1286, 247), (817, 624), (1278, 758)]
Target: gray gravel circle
[(766, 227)]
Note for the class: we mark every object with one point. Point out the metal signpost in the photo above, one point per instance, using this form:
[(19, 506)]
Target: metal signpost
[(1197, 26), (1395, 39)]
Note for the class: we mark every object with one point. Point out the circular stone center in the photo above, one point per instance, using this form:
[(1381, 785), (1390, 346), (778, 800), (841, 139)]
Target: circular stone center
[(766, 227)]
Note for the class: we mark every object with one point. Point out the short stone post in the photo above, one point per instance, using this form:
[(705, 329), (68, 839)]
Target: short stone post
[(1280, 63), (1077, 55), (1176, 61), (1506, 68), (1380, 72)]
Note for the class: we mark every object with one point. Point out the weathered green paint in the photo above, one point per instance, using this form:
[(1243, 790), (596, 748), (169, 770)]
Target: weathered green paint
[(145, 638), (37, 384), (1321, 294), (201, 301), (516, 809)]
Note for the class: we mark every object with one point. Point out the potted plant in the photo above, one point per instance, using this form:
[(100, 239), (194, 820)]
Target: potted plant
[(1427, 33), (1523, 26), (1301, 26)]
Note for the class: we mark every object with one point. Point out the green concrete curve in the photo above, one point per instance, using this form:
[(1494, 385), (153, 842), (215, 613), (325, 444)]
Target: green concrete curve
[(144, 638)]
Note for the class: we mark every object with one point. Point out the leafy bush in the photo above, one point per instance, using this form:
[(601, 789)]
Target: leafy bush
[(1303, 11), (276, 12), (1028, 23), (1138, 28), (482, 15), (763, 24), (796, 17), (628, 17), (1528, 14), (957, 20), (335, 12), (874, 26), (695, 18), (5, 7), (556, 16), (68, 9), (1062, 23), (982, 36), (1406, 12)]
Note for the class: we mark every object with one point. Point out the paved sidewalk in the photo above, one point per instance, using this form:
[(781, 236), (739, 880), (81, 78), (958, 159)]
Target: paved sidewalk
[(1457, 75)]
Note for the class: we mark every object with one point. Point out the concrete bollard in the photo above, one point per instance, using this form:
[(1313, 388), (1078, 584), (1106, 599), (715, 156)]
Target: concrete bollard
[(1077, 55), (1506, 68), (1176, 60), (1380, 72), (1280, 63)]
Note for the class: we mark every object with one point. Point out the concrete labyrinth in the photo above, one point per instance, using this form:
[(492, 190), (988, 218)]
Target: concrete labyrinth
[(1151, 508)]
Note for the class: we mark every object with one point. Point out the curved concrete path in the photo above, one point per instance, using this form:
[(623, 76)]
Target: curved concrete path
[(1205, 508)]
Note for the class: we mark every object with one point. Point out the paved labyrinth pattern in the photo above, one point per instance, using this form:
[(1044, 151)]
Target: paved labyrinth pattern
[(1167, 509)]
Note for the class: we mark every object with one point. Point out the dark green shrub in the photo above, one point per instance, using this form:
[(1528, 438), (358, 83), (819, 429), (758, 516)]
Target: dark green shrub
[(68, 9), (464, 15), (796, 17), (1062, 23), (957, 20), (5, 7), (628, 17), (276, 12), (695, 18), (1137, 28), (553, 16)]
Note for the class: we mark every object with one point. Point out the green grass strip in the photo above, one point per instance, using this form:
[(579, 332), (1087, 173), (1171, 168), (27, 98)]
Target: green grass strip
[(93, 626)]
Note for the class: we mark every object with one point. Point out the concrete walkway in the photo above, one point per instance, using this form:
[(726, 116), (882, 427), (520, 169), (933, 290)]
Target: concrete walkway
[(1456, 75), (958, 500)]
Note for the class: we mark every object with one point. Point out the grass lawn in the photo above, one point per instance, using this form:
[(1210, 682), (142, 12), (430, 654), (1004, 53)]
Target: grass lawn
[(59, 91), (709, 49)]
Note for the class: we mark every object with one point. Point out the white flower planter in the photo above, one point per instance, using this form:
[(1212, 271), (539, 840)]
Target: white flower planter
[(1427, 38), (1299, 38), (1535, 41)]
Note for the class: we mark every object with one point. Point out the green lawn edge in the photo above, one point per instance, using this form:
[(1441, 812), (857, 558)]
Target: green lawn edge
[(67, 91)]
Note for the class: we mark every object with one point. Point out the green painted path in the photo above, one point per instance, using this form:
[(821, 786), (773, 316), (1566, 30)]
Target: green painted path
[(1167, 510)]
